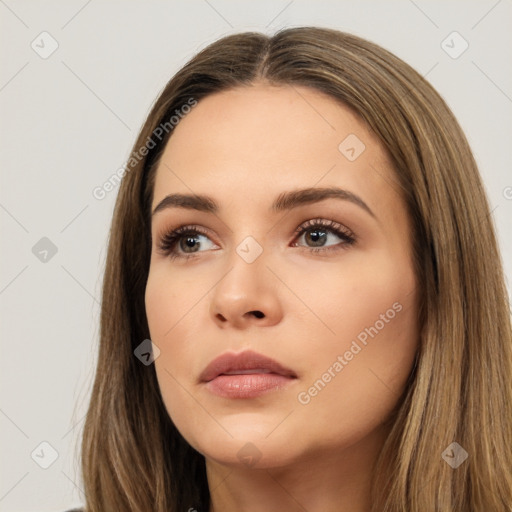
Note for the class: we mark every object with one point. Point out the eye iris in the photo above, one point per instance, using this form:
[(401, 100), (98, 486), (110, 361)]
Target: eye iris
[(318, 236), (189, 243)]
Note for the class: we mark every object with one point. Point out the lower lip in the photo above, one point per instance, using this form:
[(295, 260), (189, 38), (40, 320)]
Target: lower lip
[(248, 385)]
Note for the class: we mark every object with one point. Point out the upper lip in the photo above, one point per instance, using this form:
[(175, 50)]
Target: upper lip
[(247, 360)]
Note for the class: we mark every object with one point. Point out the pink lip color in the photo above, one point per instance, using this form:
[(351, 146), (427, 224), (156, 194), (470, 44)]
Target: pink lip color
[(245, 375), (247, 385)]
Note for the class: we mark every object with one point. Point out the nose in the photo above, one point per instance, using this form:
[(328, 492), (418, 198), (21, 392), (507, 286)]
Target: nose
[(247, 295)]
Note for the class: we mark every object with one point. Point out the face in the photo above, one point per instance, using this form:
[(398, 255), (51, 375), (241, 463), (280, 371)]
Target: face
[(308, 297)]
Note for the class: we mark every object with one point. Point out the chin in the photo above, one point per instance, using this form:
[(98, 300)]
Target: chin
[(247, 449)]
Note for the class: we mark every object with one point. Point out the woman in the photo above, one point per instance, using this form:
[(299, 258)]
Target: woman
[(303, 235)]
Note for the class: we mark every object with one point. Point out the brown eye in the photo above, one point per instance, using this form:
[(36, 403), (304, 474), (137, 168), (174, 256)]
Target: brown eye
[(184, 242), (317, 233)]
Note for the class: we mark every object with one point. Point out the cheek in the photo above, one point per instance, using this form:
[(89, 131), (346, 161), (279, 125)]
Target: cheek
[(170, 305), (172, 302), (375, 310), (171, 298), (360, 373)]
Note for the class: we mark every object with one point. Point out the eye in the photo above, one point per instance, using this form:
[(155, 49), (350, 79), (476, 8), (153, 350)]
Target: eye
[(319, 231), (187, 241)]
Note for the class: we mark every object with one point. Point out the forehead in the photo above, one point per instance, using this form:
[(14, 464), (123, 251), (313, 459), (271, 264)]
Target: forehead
[(247, 142)]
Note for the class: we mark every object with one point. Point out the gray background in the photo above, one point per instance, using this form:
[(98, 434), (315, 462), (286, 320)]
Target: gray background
[(68, 122)]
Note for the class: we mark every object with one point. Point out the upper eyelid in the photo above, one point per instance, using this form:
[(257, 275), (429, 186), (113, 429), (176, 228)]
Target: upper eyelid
[(328, 224)]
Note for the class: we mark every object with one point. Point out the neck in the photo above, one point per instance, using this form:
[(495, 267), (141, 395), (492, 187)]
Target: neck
[(334, 480)]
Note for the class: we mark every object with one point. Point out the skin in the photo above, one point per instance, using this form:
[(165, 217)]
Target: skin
[(244, 147)]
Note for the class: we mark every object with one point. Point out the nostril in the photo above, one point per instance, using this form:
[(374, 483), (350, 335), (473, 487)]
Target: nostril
[(258, 314)]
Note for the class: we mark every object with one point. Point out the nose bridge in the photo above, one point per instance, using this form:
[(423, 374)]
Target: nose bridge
[(250, 247), (247, 272)]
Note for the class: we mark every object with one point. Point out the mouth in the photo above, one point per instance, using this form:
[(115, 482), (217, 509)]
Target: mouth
[(245, 375)]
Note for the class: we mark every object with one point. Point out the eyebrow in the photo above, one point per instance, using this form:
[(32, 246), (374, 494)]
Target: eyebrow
[(285, 201)]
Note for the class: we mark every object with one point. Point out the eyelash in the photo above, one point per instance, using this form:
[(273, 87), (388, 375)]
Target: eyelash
[(168, 241)]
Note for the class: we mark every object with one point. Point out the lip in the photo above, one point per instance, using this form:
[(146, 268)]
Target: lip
[(245, 374)]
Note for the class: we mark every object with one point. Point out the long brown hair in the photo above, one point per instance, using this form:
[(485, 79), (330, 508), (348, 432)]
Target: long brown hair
[(134, 459)]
